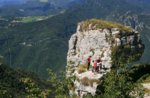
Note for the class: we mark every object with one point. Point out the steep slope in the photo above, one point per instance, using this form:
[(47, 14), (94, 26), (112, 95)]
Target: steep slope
[(110, 44), (145, 36), (19, 84)]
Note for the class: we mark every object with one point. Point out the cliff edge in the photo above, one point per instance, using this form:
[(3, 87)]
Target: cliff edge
[(101, 41)]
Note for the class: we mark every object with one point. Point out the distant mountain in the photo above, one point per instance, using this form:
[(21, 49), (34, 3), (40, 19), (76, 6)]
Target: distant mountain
[(145, 4), (57, 3), (11, 2), (139, 1), (60, 3), (40, 45), (32, 7), (17, 2)]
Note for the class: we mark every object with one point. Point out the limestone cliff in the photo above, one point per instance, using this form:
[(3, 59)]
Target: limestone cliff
[(103, 40)]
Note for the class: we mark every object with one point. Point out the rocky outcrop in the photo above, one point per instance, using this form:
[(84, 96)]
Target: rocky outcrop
[(99, 42), (146, 87)]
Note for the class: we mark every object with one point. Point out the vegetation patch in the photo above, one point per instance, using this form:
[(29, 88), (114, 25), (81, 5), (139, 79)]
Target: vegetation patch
[(32, 18), (147, 91), (85, 81), (71, 62), (71, 86), (82, 68), (89, 82), (101, 24), (119, 54), (71, 69), (147, 80), (20, 84)]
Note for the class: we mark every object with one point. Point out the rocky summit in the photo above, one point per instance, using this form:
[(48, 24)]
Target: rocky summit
[(104, 42)]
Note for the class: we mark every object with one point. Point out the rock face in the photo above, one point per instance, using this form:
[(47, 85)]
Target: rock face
[(99, 43)]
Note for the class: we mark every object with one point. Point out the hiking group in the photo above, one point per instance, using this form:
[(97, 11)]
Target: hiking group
[(96, 63)]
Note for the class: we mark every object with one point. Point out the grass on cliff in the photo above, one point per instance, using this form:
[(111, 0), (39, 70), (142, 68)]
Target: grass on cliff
[(147, 80), (147, 91), (82, 68), (101, 24), (89, 82)]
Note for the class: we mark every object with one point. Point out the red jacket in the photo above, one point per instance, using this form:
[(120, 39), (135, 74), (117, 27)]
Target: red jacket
[(95, 64), (88, 59)]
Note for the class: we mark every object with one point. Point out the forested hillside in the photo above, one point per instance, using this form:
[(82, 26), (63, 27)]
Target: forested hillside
[(18, 84), (21, 84)]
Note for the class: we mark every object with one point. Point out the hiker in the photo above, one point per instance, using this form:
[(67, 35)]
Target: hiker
[(103, 66), (91, 52), (88, 61), (92, 63), (95, 64), (99, 64), (79, 92)]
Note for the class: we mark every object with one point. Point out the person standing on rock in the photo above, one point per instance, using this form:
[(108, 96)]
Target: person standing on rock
[(95, 65), (88, 61), (99, 64), (79, 92), (91, 52), (92, 63)]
